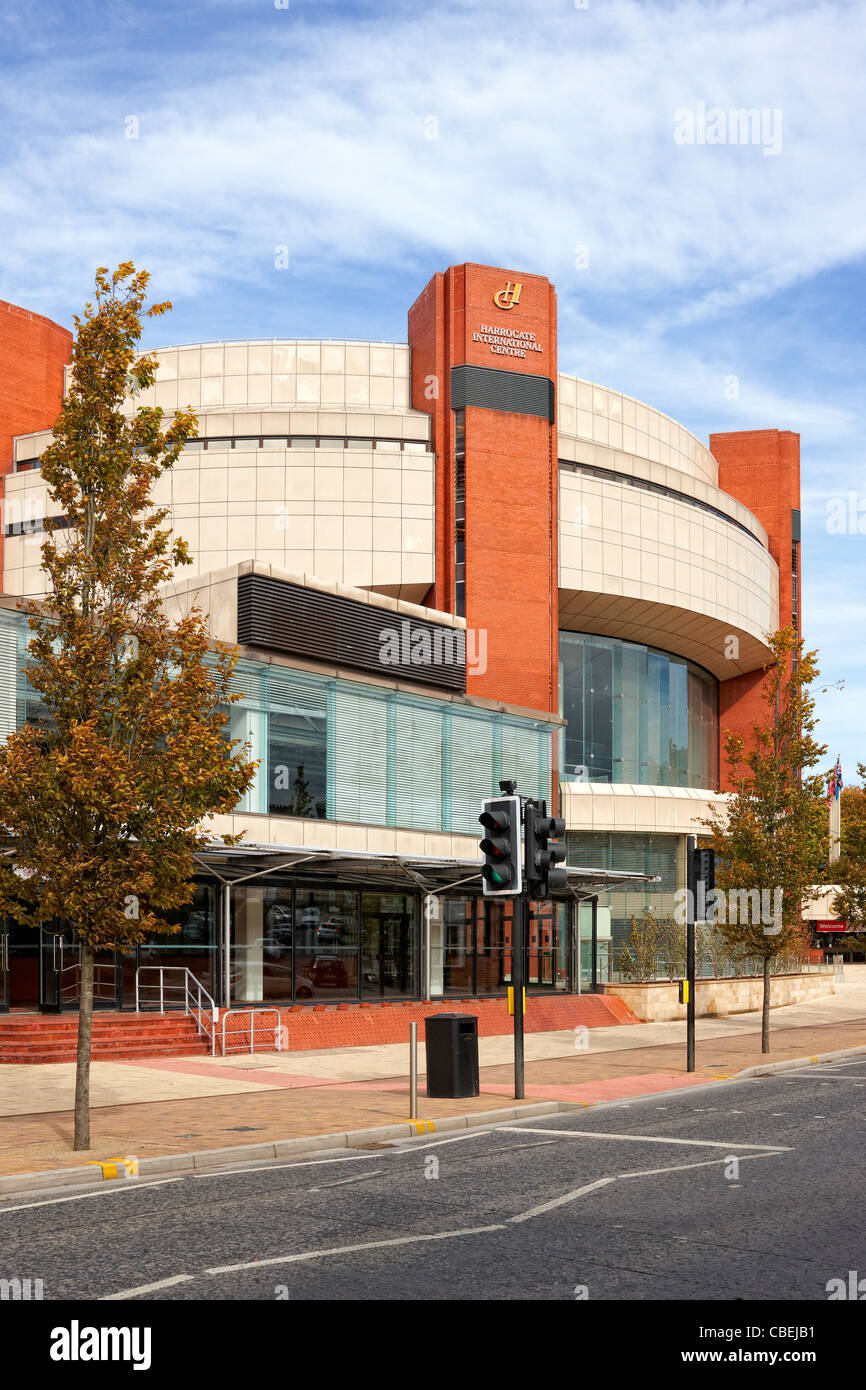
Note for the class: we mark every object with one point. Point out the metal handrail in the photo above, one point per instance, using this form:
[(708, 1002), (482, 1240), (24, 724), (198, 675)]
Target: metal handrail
[(67, 989), (195, 998), (253, 1013)]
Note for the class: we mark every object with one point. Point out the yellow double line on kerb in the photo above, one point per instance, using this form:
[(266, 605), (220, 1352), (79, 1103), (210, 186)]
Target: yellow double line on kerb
[(116, 1167)]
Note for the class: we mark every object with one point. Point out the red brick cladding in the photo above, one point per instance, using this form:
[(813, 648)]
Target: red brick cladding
[(33, 352), (761, 468), (511, 478)]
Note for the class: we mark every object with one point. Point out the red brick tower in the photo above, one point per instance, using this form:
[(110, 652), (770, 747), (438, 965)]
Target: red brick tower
[(761, 468), (33, 353), (484, 366)]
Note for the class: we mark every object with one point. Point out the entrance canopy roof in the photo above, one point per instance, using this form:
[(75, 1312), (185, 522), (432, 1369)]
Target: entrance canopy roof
[(367, 869)]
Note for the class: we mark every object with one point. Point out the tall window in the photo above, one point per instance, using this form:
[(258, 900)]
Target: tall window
[(297, 765), (460, 513)]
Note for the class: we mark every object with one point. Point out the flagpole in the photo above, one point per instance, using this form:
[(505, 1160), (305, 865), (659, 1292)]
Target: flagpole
[(835, 817)]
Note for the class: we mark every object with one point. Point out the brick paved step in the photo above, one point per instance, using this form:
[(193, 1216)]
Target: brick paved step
[(129, 1054), (115, 1036)]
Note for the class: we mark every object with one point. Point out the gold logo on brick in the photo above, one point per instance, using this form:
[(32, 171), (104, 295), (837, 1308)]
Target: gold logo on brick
[(507, 298)]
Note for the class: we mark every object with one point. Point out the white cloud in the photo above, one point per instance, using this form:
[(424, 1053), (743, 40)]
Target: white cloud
[(555, 128)]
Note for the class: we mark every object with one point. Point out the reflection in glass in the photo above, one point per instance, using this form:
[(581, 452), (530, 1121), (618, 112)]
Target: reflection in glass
[(388, 942), (193, 946), (637, 715), (326, 944), (297, 764)]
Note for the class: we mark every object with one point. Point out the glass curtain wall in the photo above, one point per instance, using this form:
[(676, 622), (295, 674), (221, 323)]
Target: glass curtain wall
[(661, 855), (634, 714), (472, 953)]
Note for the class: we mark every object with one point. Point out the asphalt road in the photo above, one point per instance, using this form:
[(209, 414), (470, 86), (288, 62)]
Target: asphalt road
[(742, 1190)]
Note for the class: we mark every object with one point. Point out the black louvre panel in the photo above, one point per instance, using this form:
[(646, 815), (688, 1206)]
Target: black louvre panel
[(285, 617), (492, 389)]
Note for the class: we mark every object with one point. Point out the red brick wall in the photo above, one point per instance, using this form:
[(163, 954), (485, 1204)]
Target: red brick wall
[(33, 352), (511, 479), (761, 468)]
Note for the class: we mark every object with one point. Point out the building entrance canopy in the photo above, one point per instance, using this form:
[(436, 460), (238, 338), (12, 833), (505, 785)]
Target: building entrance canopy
[(367, 869)]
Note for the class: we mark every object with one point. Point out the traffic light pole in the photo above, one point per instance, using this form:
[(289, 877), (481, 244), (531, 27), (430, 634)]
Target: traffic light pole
[(690, 952), (519, 923)]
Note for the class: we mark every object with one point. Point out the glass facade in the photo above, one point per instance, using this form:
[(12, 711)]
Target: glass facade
[(634, 714), (659, 855), (337, 749), (334, 945)]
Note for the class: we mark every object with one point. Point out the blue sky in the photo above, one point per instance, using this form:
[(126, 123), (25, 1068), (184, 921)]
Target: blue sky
[(554, 129)]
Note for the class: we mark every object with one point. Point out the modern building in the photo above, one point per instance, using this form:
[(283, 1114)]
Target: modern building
[(445, 563)]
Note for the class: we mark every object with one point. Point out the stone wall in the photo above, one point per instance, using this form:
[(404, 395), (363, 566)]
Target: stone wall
[(659, 1002)]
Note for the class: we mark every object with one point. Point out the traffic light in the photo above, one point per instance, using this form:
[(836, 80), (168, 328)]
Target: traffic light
[(704, 869), (543, 877), (502, 870)]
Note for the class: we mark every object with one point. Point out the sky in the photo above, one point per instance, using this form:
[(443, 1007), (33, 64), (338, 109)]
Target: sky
[(720, 281)]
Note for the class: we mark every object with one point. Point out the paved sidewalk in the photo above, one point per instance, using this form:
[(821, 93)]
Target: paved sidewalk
[(177, 1105)]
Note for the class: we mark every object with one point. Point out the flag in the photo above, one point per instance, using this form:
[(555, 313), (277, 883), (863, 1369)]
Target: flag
[(835, 786)]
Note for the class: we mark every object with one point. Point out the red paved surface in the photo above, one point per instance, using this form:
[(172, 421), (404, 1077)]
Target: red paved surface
[(123, 1036), (354, 1026)]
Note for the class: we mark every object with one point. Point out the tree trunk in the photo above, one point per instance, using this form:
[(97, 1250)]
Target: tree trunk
[(765, 1013), (82, 1068)]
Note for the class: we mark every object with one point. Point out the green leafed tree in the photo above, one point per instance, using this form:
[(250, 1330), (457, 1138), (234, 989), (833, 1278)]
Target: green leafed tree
[(771, 835), (105, 805)]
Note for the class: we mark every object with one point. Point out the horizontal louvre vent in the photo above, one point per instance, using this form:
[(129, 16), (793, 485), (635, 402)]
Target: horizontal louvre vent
[(492, 389), (344, 632)]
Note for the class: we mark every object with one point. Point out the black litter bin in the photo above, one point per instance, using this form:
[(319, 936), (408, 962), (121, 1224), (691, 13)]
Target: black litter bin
[(452, 1055)]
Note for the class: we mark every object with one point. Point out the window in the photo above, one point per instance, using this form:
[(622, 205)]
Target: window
[(636, 715), (297, 764), (326, 944), (460, 513)]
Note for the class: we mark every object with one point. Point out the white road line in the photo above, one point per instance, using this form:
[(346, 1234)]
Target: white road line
[(647, 1139), (437, 1235), (282, 1167), (110, 1190), (341, 1182), (413, 1145), (146, 1288), (561, 1201), (684, 1167), (812, 1074), (351, 1249)]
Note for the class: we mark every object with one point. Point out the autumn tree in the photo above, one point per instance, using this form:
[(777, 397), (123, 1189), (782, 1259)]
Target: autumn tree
[(106, 804), (771, 836)]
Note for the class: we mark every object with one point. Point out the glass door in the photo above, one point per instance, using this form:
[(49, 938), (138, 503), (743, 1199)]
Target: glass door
[(4, 970), (58, 958), (60, 973)]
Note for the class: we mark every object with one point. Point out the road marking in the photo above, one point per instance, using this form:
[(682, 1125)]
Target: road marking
[(684, 1167), (561, 1201), (646, 1139), (282, 1167), (341, 1182), (103, 1192), (823, 1077), (352, 1249), (146, 1288)]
